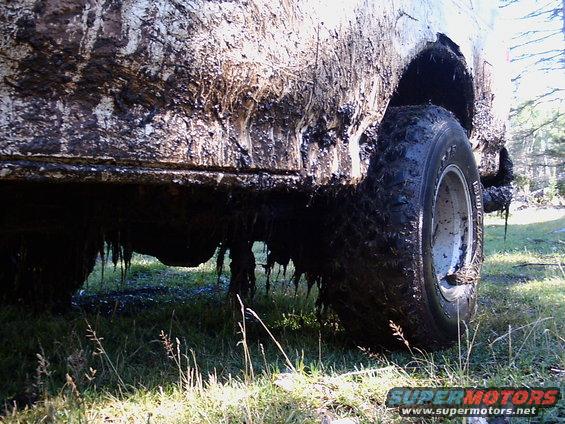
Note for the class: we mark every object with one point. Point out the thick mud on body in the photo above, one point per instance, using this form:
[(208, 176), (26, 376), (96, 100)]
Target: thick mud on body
[(497, 193), (124, 91)]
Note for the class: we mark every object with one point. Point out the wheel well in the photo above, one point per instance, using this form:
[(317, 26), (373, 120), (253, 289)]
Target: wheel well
[(438, 75)]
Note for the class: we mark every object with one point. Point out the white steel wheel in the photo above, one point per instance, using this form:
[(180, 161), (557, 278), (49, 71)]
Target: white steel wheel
[(452, 230)]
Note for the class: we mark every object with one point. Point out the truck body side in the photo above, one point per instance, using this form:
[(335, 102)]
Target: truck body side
[(251, 93)]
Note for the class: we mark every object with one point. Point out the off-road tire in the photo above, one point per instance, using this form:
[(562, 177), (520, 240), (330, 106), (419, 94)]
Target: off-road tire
[(45, 270), (384, 267)]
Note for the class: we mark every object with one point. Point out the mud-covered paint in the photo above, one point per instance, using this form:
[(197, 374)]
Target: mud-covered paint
[(202, 89)]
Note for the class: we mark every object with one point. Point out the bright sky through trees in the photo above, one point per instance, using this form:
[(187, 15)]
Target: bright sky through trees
[(535, 30)]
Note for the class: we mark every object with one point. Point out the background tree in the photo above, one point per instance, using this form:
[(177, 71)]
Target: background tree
[(538, 148), (537, 50)]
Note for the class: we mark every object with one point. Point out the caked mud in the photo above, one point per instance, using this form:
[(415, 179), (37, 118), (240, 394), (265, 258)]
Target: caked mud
[(163, 91), (180, 226)]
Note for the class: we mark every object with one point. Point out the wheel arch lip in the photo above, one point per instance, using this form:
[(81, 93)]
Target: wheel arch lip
[(416, 84), (484, 122)]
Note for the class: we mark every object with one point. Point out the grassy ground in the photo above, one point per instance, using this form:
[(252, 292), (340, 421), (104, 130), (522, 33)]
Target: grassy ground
[(167, 348)]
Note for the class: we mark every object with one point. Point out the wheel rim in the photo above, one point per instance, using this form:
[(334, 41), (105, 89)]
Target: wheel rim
[(452, 230)]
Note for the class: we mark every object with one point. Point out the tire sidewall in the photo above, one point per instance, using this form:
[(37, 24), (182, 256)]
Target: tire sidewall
[(450, 146)]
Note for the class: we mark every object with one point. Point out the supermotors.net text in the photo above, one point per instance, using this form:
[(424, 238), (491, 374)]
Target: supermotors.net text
[(468, 412)]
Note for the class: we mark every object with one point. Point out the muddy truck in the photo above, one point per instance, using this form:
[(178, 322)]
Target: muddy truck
[(361, 140)]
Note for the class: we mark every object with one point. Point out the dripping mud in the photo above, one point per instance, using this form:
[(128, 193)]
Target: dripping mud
[(67, 227)]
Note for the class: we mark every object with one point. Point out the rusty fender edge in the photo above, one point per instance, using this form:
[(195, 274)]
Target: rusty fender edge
[(35, 171)]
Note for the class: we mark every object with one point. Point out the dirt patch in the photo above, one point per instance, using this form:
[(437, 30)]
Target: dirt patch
[(131, 301)]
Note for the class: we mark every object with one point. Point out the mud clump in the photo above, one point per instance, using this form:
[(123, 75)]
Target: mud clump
[(497, 198), (497, 190), (242, 268)]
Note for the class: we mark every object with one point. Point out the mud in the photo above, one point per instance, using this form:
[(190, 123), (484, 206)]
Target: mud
[(177, 127), (497, 198), (180, 226), (242, 267), (439, 75), (497, 190), (121, 91), (131, 301)]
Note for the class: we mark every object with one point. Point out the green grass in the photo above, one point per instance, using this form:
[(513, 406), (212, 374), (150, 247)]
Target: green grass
[(175, 354)]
